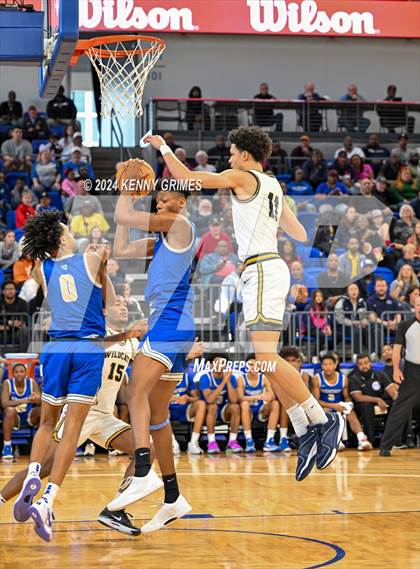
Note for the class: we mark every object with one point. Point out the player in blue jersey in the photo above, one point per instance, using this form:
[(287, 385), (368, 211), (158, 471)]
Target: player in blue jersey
[(258, 403), (76, 287), (219, 391), (331, 388), (20, 399), (160, 363)]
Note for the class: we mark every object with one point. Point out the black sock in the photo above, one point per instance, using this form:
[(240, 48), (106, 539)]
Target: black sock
[(171, 488), (143, 463)]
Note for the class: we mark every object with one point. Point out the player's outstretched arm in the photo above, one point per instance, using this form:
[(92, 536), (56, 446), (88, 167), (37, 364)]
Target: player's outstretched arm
[(289, 223)]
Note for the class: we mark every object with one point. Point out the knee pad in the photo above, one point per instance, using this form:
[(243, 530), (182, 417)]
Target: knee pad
[(160, 425)]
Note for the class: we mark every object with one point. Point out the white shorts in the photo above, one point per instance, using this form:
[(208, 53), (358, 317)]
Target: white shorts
[(100, 428), (266, 285)]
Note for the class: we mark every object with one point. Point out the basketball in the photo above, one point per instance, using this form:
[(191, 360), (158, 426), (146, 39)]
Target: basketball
[(135, 177)]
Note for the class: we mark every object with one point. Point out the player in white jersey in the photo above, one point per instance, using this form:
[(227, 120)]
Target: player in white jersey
[(259, 208)]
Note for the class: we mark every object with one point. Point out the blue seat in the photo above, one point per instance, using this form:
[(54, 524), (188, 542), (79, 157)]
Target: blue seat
[(37, 143), (19, 233), (58, 129), (11, 178), (386, 274), (56, 200), (11, 219), (284, 178), (1, 276), (22, 436)]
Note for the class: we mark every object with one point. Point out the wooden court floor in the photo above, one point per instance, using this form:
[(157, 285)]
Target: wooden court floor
[(248, 512)]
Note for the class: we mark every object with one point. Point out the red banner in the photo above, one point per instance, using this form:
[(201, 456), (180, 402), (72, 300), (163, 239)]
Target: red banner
[(308, 17)]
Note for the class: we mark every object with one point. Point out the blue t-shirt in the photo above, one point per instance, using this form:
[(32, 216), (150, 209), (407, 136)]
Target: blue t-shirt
[(301, 188), (208, 381), (325, 189)]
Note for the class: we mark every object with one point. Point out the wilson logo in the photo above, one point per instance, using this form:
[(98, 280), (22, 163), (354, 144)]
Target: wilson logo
[(277, 15)]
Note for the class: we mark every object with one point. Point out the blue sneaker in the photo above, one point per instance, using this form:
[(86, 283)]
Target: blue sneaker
[(250, 446), (7, 452), (308, 444), (79, 451), (270, 446), (284, 445), (329, 437), (30, 488)]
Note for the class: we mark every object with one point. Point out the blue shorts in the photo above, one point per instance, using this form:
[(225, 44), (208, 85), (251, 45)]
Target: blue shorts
[(169, 339), (71, 371), (23, 420), (256, 411), (221, 410), (180, 413)]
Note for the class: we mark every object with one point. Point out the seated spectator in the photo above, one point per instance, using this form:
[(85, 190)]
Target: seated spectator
[(415, 238), (405, 188), (349, 148), (66, 142), (45, 173), (375, 153), (69, 185), (201, 216), (351, 117), (230, 300), (74, 204), (113, 269), (380, 191), (197, 114), (372, 392), (82, 224), (351, 318), (297, 273), (393, 116), (366, 190), (298, 186), (386, 359), (14, 317), (405, 280), (34, 126), (53, 146), (278, 162), (76, 163), (331, 389), (302, 152), (342, 166), (210, 239), (414, 164), (362, 169), (287, 251), (61, 109), (402, 149), (24, 210), (310, 119), (17, 152), (408, 304), (44, 203), (22, 269), (404, 227), (315, 169), (264, 112), (408, 258), (21, 403), (332, 281), (350, 264), (11, 110), (391, 168), (384, 313), (181, 154), (78, 143), (353, 188), (332, 187), (9, 250), (133, 306), (347, 228), (320, 321), (17, 192), (219, 150), (214, 267), (202, 159)]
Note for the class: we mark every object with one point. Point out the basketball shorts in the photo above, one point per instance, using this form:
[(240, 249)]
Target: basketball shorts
[(221, 413), (180, 413), (266, 283), (71, 371), (257, 413), (100, 428), (169, 340), (23, 420)]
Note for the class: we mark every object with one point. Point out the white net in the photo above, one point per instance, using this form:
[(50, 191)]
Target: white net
[(123, 68)]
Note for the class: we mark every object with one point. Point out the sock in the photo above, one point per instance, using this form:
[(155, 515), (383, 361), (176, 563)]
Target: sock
[(233, 437), (248, 434), (361, 436), (195, 437), (7, 443), (283, 433), (298, 419), (211, 437), (143, 463), (51, 491), (34, 469), (170, 485), (2, 500), (314, 411), (270, 434), (174, 439)]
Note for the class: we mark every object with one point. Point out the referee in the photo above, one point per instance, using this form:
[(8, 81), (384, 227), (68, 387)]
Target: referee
[(407, 337)]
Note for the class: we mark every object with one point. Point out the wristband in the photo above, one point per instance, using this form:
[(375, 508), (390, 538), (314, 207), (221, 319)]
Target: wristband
[(164, 149)]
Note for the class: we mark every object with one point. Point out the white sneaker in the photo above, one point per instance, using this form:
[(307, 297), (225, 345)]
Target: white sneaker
[(194, 448), (167, 514), (135, 489), (175, 447), (41, 513), (341, 446), (90, 450), (364, 444), (115, 452)]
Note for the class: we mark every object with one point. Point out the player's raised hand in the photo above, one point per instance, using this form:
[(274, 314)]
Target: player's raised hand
[(155, 140), (197, 350), (137, 329)]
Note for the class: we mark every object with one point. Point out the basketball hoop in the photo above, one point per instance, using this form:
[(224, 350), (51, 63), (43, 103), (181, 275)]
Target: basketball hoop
[(123, 64)]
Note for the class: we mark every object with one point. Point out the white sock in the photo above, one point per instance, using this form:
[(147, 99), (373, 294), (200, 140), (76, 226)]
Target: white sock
[(174, 439), (2, 500), (34, 469), (283, 432), (51, 492), (270, 434), (7, 443), (361, 436), (211, 437), (248, 434), (233, 436), (314, 411), (195, 437), (298, 419)]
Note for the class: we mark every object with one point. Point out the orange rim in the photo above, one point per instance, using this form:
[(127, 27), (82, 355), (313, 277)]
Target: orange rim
[(92, 44)]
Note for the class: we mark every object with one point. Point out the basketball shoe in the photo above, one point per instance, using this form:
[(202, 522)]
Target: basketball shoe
[(329, 437), (119, 520), (135, 488), (41, 513), (30, 488), (167, 514), (307, 450)]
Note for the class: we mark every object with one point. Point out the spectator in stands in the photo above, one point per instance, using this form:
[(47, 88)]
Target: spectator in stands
[(264, 112), (351, 317), (17, 192), (362, 169), (82, 224), (296, 273), (318, 314), (219, 150), (408, 304), (115, 274), (69, 185), (287, 251), (181, 154), (278, 162), (210, 239), (201, 216), (384, 312), (408, 258), (298, 186), (214, 267), (230, 300), (53, 146), (14, 314), (404, 227), (75, 203), (61, 109), (45, 173), (298, 297), (22, 269), (350, 264), (351, 117), (76, 163), (347, 228), (17, 152), (197, 114), (302, 152), (24, 210), (386, 359), (415, 238), (11, 110), (349, 148), (310, 119), (332, 281), (342, 166), (405, 280), (405, 188), (395, 116), (21, 403), (414, 164), (391, 168), (370, 389), (315, 169), (135, 311), (380, 191), (44, 203), (34, 126), (9, 250), (375, 153), (402, 149), (66, 142), (366, 190), (352, 187), (332, 187), (78, 143), (202, 160)]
